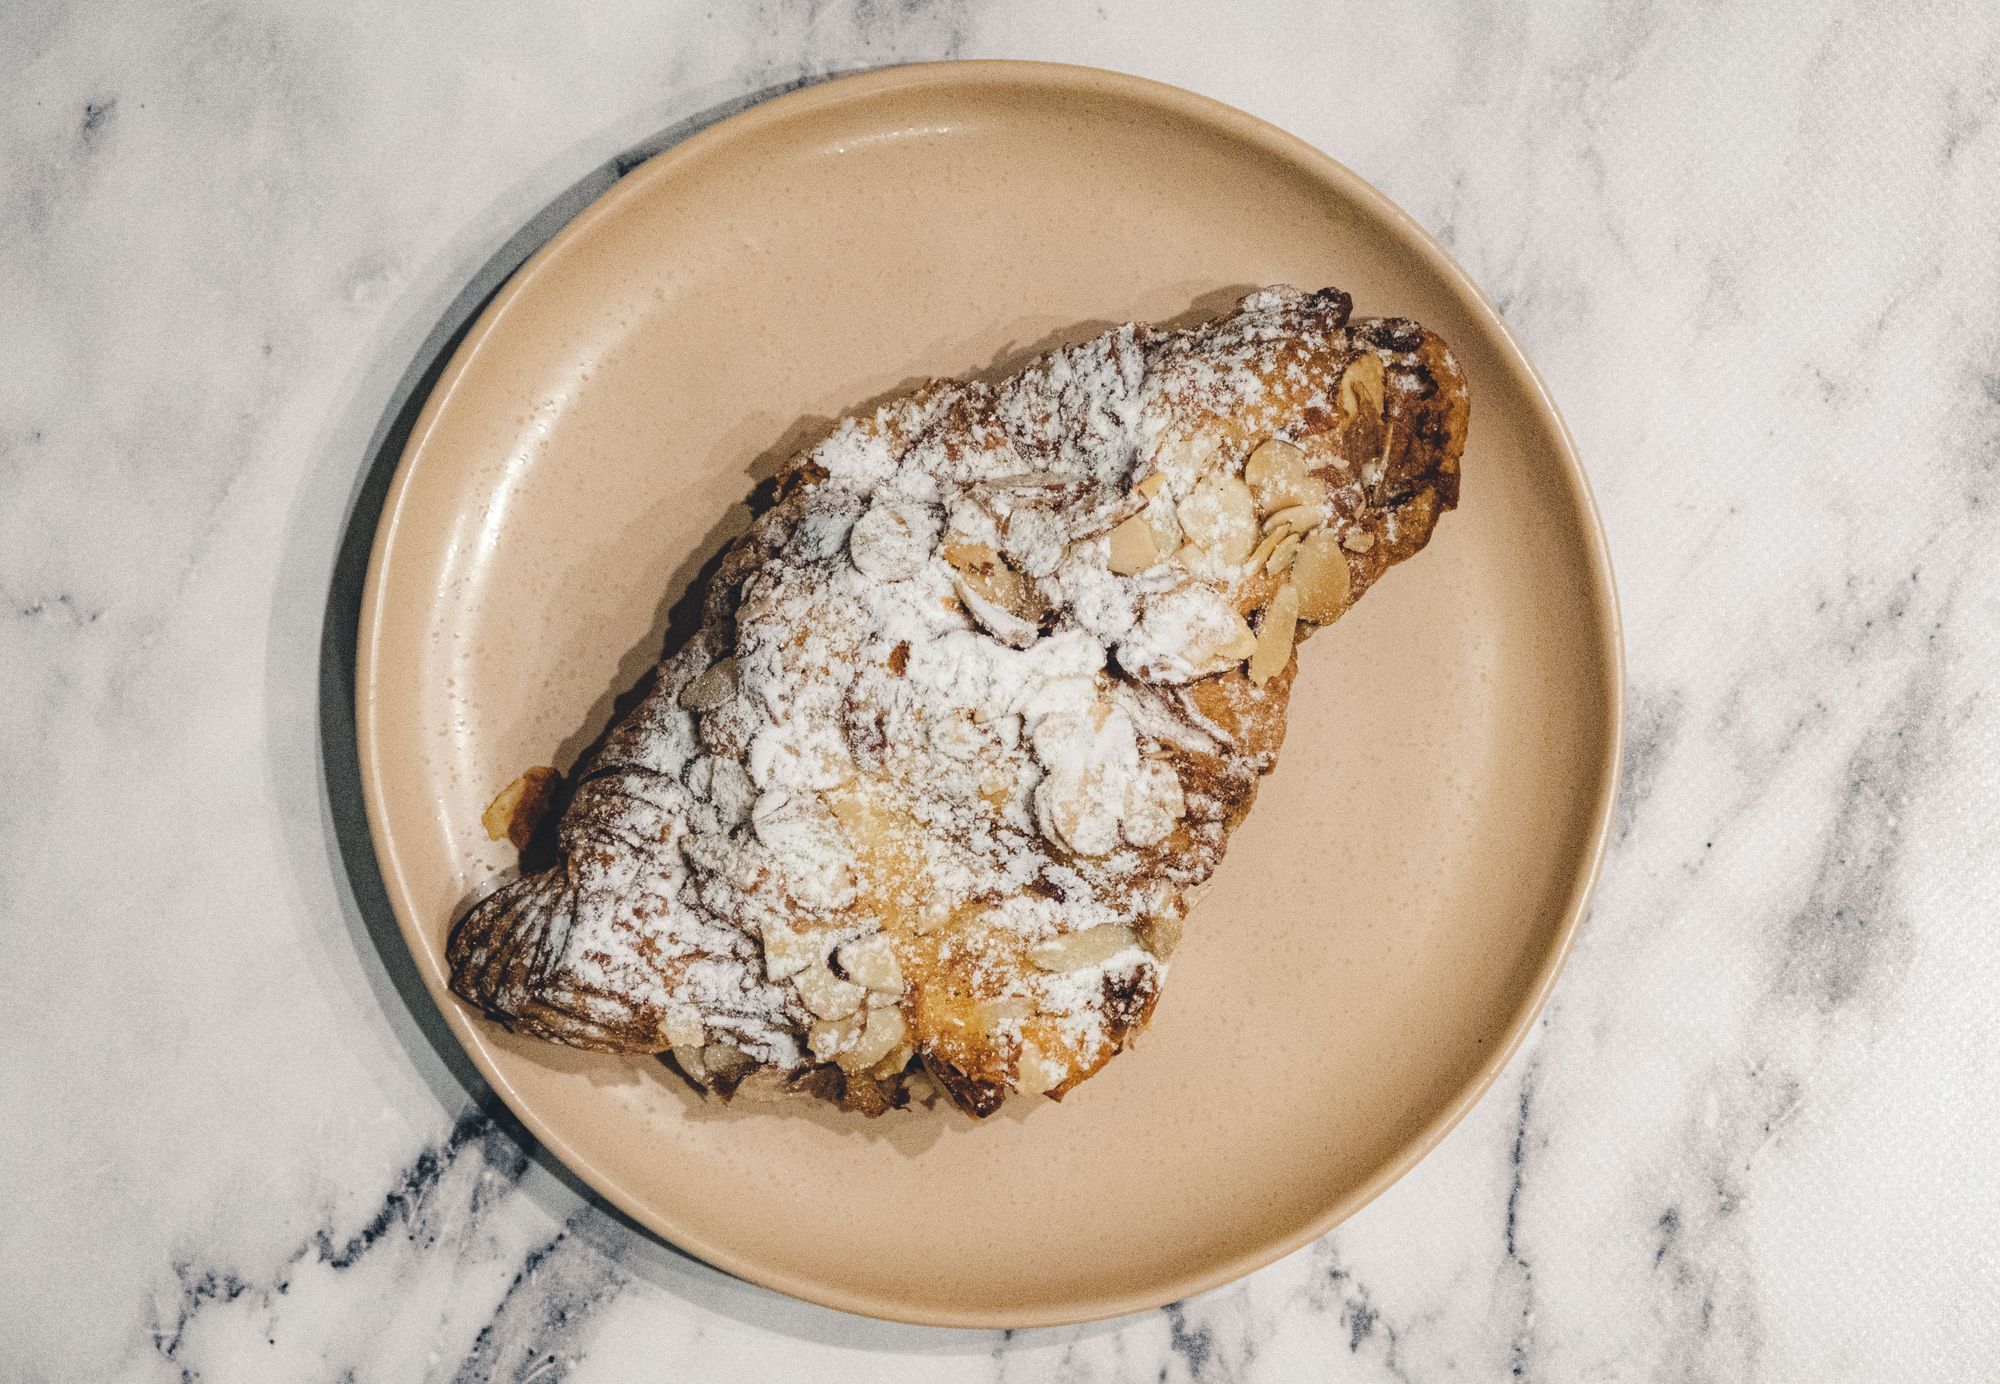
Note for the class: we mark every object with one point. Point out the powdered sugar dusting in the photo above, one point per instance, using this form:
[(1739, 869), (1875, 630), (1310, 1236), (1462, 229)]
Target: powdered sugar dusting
[(922, 705)]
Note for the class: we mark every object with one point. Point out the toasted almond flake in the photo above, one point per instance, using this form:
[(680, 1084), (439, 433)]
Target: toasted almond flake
[(1180, 459), (1203, 563), (831, 1038), (1003, 624), (1091, 947), (891, 540), (1133, 548), (997, 597), (1152, 485), (1277, 475), (1312, 492), (1256, 592), (1379, 489), (683, 1028), (1220, 518), (897, 1059), (1035, 1071), (787, 951), (883, 1031), (1241, 643), (1281, 557), (1297, 519), (1154, 801), (970, 557), (1320, 575), (1262, 553), (1167, 536), (1358, 541), (1274, 638), (1160, 935), (1361, 386), (826, 994), (871, 962), (712, 688), (690, 1060)]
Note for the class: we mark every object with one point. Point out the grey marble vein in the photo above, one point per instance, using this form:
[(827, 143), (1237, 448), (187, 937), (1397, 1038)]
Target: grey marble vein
[(1752, 250)]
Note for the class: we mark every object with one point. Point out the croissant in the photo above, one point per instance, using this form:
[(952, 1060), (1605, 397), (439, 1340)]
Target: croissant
[(971, 712)]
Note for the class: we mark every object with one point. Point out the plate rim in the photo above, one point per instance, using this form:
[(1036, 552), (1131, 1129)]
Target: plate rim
[(1039, 78)]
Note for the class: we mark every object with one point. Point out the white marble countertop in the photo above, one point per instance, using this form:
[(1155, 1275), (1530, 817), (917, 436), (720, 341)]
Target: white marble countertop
[(1753, 250)]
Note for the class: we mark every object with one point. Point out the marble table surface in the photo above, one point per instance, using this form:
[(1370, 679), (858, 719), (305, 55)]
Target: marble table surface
[(1753, 250)]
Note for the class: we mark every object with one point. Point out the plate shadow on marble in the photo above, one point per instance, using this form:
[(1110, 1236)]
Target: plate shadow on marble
[(347, 500)]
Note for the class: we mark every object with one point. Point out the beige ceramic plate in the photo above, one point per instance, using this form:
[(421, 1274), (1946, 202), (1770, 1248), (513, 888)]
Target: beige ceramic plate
[(1389, 919)]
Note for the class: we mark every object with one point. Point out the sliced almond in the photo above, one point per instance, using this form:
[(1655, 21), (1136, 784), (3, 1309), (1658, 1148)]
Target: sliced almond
[(1091, 947), (1010, 628), (1261, 554), (1024, 480), (1281, 556), (712, 688), (990, 1016), (1133, 548), (1242, 643), (1297, 519), (787, 951), (1380, 489), (1167, 536), (1071, 811), (826, 994), (1279, 477), (892, 539), (1312, 491), (1160, 935), (1180, 459), (1273, 462), (1220, 518), (1256, 592), (1152, 485), (1361, 386), (970, 557), (898, 1058), (1274, 637), (1320, 576), (690, 1060), (997, 596), (1187, 633), (871, 962), (833, 1038), (1035, 1072), (1358, 541), (682, 1028), (1154, 802), (882, 1031), (1199, 561)]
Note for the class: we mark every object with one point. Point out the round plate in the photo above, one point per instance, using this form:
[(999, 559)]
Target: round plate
[(1389, 919)]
